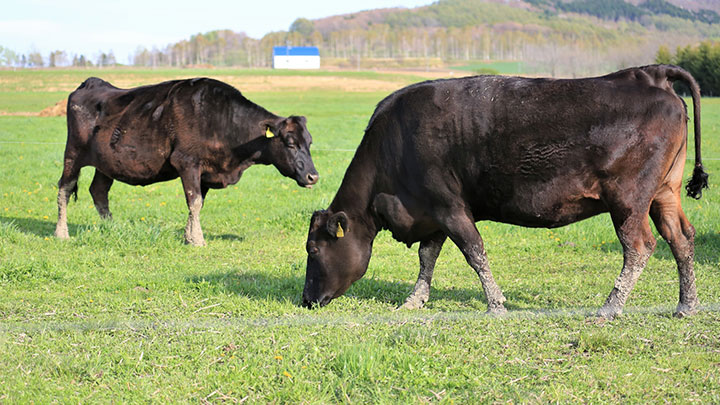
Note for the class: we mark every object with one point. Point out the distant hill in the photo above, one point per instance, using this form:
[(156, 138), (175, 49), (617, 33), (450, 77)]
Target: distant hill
[(693, 5), (633, 11), (556, 37)]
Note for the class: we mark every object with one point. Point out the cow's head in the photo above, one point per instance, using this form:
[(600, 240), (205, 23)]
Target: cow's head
[(339, 250), (289, 149)]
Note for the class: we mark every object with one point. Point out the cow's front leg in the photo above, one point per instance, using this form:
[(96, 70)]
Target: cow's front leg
[(462, 231), (428, 254), (194, 198)]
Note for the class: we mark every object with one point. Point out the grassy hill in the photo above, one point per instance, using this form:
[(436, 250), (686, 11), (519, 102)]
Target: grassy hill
[(554, 37)]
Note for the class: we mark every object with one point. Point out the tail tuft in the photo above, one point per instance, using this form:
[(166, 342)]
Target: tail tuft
[(698, 182)]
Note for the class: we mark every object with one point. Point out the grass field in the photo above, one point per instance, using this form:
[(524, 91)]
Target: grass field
[(124, 312), (505, 68)]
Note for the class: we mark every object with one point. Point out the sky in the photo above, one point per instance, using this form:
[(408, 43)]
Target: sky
[(91, 27)]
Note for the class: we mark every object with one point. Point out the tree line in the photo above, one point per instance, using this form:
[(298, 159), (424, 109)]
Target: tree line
[(702, 61), (57, 58)]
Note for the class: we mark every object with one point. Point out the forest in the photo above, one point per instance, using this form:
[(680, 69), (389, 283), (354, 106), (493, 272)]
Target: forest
[(702, 61)]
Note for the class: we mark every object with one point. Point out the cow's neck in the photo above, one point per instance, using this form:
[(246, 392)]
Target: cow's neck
[(252, 140), (356, 191)]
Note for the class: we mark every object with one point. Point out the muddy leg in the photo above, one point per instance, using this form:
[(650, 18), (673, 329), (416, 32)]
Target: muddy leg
[(428, 253), (462, 231), (193, 196), (638, 244), (677, 231), (66, 186), (99, 189)]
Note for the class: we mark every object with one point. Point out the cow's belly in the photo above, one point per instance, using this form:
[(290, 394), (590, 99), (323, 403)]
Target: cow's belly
[(549, 204), (135, 165), (551, 215)]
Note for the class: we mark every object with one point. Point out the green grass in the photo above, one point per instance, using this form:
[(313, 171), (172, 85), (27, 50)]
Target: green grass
[(26, 101), (124, 312)]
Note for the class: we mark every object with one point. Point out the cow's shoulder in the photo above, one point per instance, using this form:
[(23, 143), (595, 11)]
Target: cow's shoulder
[(92, 83)]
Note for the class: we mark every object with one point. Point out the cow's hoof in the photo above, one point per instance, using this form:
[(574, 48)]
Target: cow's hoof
[(62, 234), (498, 309), (195, 242), (413, 303), (609, 312), (684, 310)]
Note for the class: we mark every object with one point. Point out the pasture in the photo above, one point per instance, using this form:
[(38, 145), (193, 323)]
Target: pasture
[(124, 312)]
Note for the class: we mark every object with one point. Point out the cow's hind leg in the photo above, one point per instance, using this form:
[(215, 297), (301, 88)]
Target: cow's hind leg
[(99, 189), (194, 197), (638, 244), (462, 231), (428, 253), (66, 186), (670, 220)]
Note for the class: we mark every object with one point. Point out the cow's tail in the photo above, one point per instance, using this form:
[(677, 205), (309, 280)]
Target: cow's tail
[(699, 179)]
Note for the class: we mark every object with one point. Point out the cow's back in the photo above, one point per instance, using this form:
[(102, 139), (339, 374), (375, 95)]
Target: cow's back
[(124, 133)]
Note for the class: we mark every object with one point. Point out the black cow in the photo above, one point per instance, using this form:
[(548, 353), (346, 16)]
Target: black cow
[(201, 130), (440, 155)]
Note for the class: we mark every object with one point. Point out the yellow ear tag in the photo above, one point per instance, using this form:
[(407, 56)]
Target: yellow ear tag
[(340, 233), (269, 133)]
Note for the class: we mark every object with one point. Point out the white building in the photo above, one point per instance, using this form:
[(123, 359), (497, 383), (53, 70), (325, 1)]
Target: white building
[(296, 57)]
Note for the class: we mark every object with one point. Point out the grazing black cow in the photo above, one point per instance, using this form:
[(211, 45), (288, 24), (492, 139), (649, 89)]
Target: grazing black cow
[(201, 130), (440, 155)]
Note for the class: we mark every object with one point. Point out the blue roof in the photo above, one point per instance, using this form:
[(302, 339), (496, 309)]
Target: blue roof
[(296, 50)]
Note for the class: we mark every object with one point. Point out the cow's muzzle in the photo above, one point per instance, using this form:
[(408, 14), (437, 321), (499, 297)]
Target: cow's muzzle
[(308, 179), (319, 303)]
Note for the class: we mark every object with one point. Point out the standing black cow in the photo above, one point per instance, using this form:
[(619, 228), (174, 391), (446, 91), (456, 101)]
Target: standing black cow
[(201, 130), (440, 155)]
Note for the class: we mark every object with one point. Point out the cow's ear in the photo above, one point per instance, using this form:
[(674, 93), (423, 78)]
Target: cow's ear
[(269, 128), (337, 225)]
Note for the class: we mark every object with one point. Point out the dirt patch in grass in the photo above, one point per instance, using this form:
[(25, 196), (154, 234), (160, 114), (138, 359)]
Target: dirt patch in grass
[(303, 83), (57, 110), (284, 83)]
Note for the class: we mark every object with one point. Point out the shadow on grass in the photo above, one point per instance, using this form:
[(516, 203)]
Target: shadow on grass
[(707, 248), (36, 227), (43, 228), (262, 287), (225, 236)]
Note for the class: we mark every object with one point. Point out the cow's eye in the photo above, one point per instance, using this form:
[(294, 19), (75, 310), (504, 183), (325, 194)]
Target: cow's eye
[(312, 250)]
